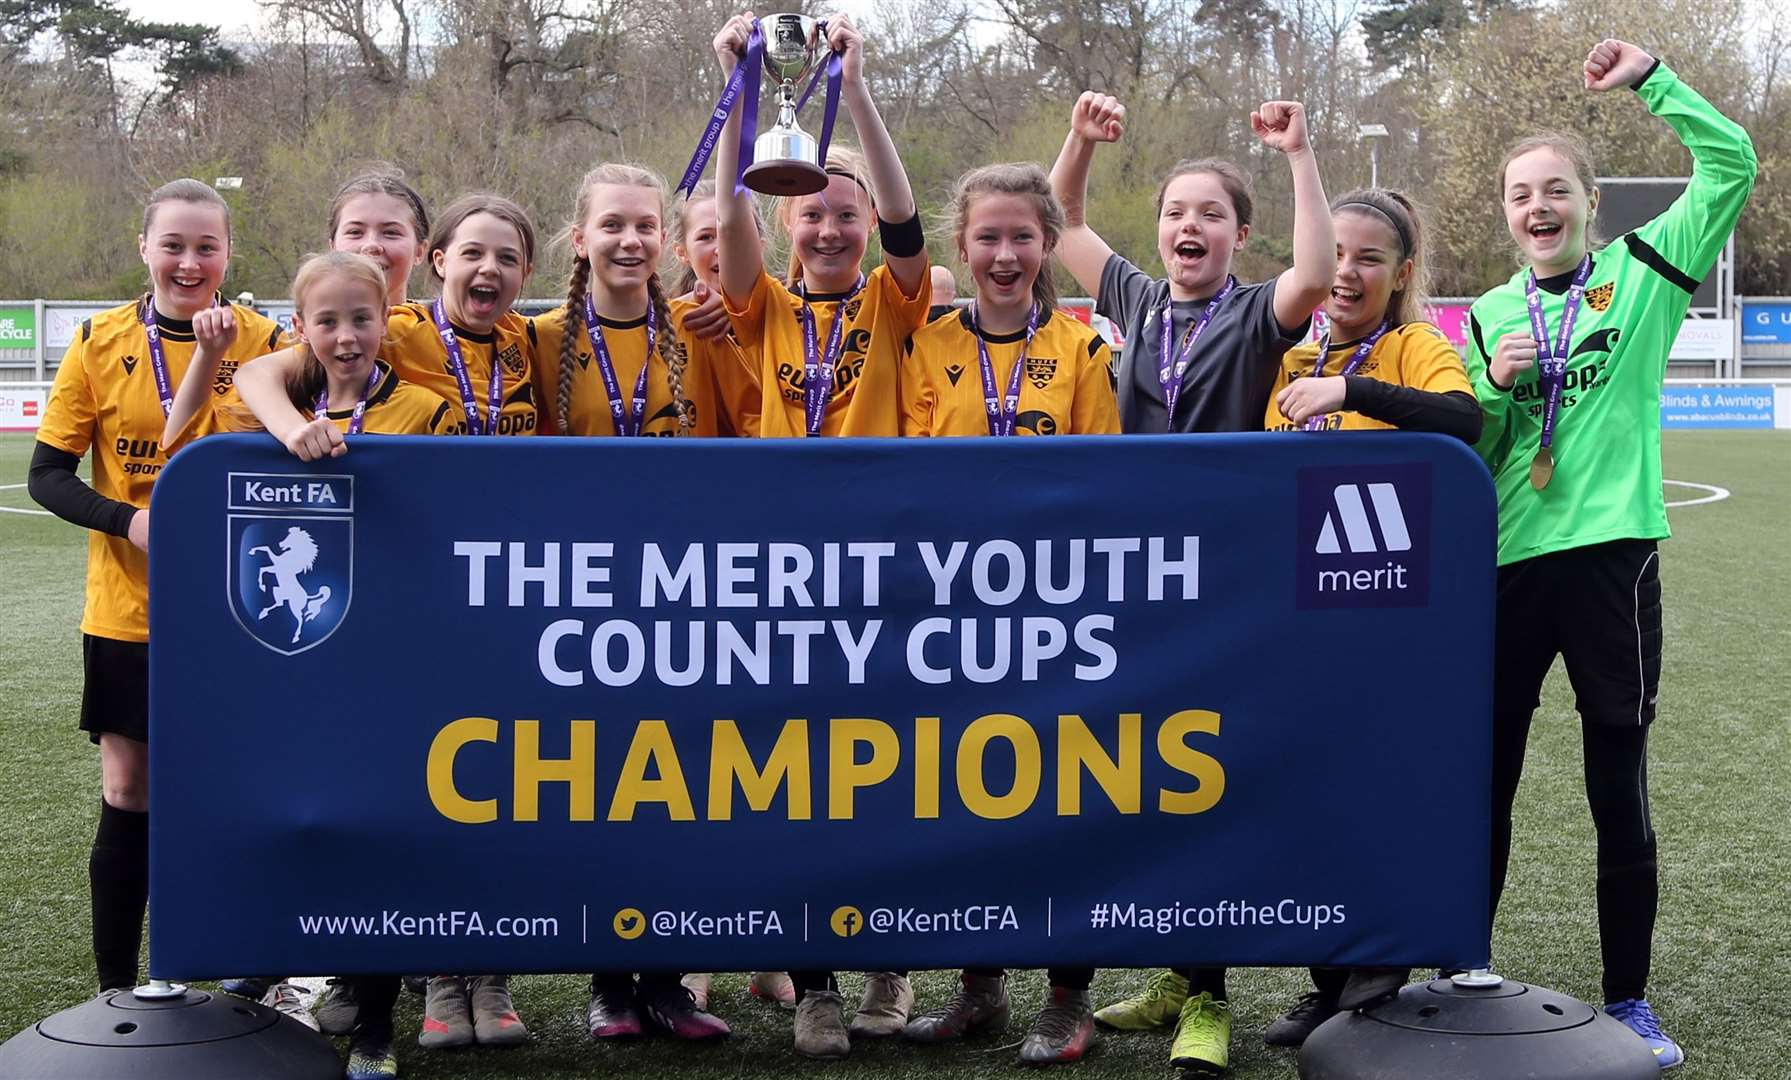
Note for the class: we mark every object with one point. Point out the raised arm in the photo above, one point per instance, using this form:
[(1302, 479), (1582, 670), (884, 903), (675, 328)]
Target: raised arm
[(215, 330), (742, 257), (1690, 234), (1096, 118), (1303, 287), (889, 180)]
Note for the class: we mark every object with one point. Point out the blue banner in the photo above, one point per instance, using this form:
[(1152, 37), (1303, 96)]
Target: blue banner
[(1716, 406), (538, 705), (1766, 322)]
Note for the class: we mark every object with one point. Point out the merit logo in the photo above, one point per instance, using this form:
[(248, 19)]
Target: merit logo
[(1364, 537)]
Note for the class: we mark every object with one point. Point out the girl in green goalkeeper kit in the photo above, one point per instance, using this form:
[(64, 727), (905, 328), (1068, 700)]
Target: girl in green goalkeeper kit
[(1567, 359)]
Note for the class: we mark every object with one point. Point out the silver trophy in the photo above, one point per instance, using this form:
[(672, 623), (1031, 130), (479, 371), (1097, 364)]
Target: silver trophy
[(786, 159)]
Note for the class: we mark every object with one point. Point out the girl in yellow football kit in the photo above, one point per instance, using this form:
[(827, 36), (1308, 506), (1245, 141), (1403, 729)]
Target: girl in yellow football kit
[(613, 363), (470, 349), (613, 359), (339, 301), (1011, 363), (112, 393), (829, 343), (830, 337), (1379, 364), (695, 236)]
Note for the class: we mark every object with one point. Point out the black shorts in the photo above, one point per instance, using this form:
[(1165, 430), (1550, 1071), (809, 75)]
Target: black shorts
[(1598, 607), (115, 696)]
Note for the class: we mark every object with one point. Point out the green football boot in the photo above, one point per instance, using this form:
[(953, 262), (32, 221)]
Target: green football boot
[(1157, 1007), (1202, 1036)]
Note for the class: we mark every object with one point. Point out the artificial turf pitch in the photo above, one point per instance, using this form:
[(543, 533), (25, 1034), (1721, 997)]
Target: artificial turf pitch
[(1721, 787)]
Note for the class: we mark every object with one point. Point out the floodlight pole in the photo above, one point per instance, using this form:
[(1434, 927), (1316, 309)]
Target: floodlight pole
[(1368, 133)]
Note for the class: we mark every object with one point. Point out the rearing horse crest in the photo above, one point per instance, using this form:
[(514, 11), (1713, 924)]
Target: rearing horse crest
[(297, 554)]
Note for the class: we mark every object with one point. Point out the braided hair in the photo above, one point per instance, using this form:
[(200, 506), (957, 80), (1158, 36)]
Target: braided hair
[(578, 286), (571, 326)]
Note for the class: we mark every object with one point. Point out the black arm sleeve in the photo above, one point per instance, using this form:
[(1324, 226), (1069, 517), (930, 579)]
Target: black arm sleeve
[(903, 239), (53, 483), (1454, 413)]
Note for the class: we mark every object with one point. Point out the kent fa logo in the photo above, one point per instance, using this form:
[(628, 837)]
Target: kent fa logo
[(1363, 537), (290, 573), (297, 555)]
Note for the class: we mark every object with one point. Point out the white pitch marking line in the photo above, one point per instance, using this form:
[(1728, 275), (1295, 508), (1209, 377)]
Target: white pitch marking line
[(20, 509), (1717, 494)]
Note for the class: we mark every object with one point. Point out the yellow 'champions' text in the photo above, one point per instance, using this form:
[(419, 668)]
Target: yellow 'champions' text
[(822, 770)]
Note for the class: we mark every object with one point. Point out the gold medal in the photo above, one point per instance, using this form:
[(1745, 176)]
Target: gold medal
[(1542, 468)]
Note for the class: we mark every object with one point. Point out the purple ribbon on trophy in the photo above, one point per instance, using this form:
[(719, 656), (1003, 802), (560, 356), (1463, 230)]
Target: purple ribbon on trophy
[(785, 160)]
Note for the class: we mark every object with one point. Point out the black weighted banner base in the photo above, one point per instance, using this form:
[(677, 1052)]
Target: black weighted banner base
[(1440, 1029), (197, 1035)]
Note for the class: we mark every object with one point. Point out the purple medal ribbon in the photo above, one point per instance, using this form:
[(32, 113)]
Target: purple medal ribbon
[(1169, 375), (626, 424), (457, 362), (744, 81), (831, 109), (1551, 363), (322, 410), (1003, 412), (817, 368), (1317, 423), (158, 361)]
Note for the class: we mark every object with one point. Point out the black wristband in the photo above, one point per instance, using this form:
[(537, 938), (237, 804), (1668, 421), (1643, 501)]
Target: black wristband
[(1637, 85), (903, 239)]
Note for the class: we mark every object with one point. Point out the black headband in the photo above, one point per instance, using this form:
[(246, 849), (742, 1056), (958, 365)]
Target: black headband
[(835, 170), (1399, 228)]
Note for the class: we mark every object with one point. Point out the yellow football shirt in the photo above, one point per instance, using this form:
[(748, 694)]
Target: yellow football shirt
[(866, 397), (396, 408), (588, 412), (1065, 388), (1416, 355), (417, 354), (105, 398), (735, 368)]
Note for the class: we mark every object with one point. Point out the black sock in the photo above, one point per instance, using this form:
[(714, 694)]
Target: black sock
[(375, 996), (1329, 982), (118, 883), (660, 982), (1075, 979), (806, 981), (1204, 980)]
